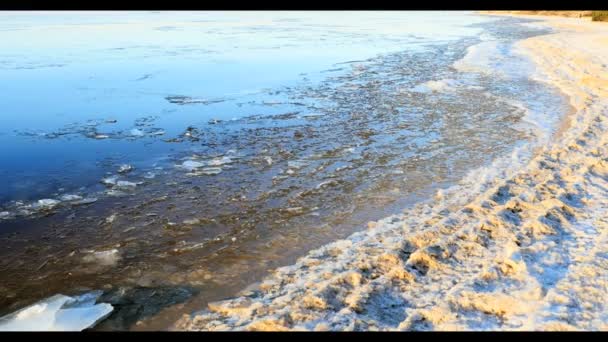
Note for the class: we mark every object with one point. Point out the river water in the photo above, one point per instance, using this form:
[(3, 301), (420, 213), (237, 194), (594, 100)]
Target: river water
[(174, 158)]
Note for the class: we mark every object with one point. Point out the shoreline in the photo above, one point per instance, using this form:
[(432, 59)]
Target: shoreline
[(528, 253)]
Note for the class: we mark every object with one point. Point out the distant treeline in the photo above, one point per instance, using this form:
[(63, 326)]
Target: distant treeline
[(595, 15), (599, 15)]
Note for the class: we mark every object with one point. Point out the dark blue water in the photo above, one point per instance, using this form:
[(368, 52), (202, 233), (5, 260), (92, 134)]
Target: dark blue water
[(60, 71)]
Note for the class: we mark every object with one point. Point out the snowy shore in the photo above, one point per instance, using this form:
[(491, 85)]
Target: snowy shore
[(526, 249)]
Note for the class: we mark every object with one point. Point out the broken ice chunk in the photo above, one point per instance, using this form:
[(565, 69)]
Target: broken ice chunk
[(46, 203), (296, 164), (136, 132), (58, 313), (211, 170), (115, 193), (125, 185), (87, 200), (434, 86), (111, 218), (104, 258), (157, 132), (193, 221), (192, 165), (220, 161), (149, 175), (101, 136), (109, 180), (70, 198), (313, 115), (5, 214), (125, 168), (205, 171)]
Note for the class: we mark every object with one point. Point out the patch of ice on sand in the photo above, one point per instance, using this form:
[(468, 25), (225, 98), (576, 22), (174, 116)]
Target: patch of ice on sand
[(58, 313)]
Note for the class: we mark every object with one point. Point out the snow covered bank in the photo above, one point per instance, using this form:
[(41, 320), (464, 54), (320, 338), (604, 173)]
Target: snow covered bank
[(527, 251)]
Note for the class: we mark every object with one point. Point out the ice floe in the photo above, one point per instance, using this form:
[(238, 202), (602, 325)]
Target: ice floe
[(220, 161), (70, 198), (125, 168), (205, 171), (58, 313), (126, 185), (185, 100), (110, 181), (192, 165), (46, 203), (135, 132)]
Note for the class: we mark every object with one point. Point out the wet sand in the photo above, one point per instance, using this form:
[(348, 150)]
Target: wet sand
[(506, 249)]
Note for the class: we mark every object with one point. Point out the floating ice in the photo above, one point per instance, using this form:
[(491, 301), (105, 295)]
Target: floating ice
[(46, 203), (211, 170), (125, 185), (192, 165), (137, 132), (110, 180), (434, 86), (115, 193), (58, 313), (70, 198), (149, 175), (101, 136), (192, 221), (104, 258), (205, 171), (220, 161), (5, 214), (312, 115), (296, 164), (182, 100), (125, 168), (87, 200), (111, 218)]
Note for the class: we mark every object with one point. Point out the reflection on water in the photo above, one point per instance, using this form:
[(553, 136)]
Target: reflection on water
[(222, 186)]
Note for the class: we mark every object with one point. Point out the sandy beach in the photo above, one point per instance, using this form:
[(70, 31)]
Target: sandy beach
[(522, 247)]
